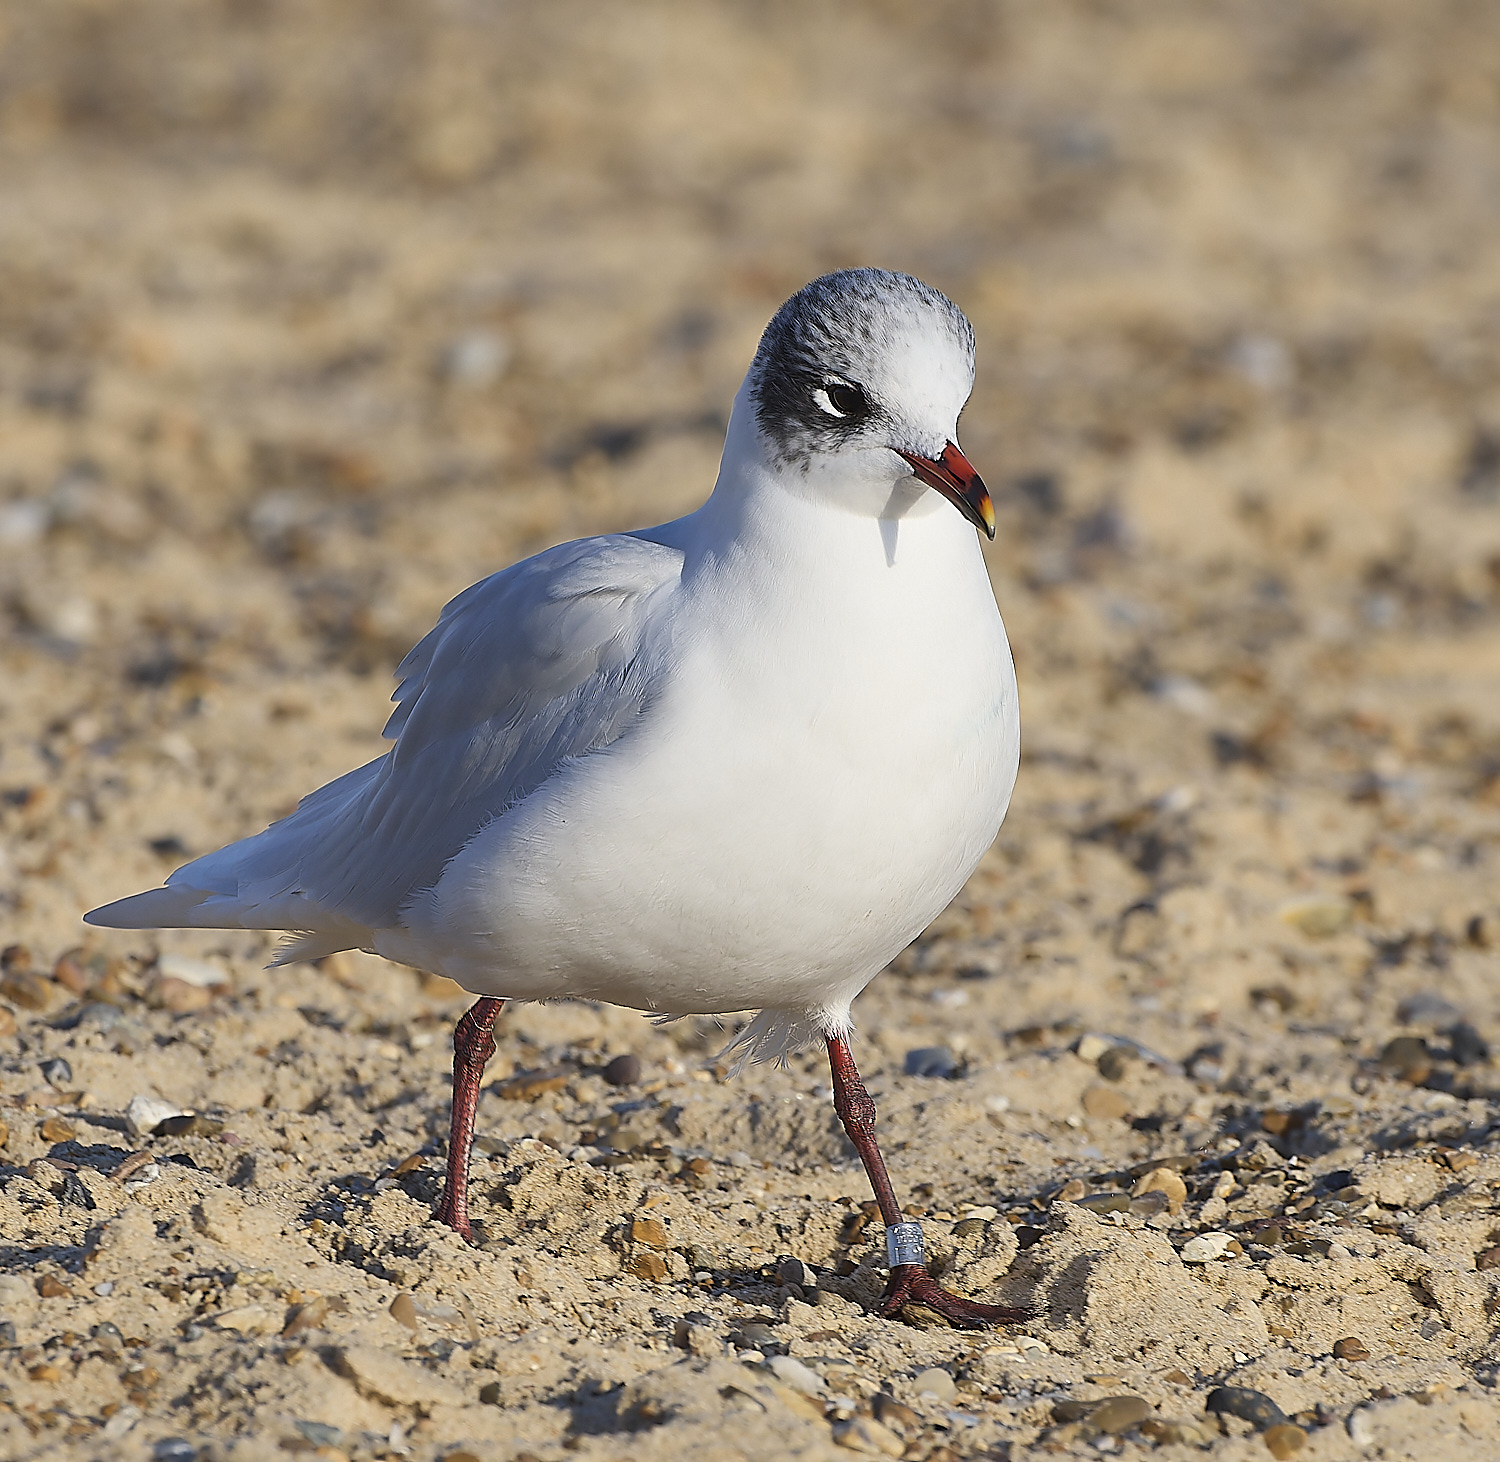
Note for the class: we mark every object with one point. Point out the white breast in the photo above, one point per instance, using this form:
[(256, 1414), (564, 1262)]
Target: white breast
[(821, 773)]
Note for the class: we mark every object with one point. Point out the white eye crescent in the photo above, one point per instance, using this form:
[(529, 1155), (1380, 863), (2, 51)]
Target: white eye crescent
[(841, 400)]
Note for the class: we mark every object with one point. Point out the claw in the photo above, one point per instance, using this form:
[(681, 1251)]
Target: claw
[(912, 1284)]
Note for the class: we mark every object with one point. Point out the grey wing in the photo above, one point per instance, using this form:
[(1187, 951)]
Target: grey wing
[(541, 663)]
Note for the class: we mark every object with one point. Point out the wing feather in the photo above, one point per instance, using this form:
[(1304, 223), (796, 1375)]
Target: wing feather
[(541, 663)]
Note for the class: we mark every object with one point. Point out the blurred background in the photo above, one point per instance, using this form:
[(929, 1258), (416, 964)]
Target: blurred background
[(310, 314)]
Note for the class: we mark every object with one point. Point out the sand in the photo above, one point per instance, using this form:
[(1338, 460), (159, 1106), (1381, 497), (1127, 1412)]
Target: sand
[(312, 315)]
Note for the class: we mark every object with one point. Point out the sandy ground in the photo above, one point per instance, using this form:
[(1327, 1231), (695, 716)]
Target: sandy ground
[(312, 314)]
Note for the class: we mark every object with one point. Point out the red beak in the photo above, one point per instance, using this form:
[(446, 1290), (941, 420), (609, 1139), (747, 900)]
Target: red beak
[(952, 476)]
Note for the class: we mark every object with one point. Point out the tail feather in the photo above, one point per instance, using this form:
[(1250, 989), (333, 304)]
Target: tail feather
[(304, 947)]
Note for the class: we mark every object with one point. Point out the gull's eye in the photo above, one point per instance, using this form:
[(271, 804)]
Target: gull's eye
[(839, 398)]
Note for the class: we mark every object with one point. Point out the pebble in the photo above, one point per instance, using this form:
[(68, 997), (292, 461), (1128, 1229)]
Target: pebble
[(1285, 1439), (970, 1228), (1164, 1433), (1118, 1414), (179, 997), (203, 973), (1105, 1203), (1203, 1248), (1319, 917), (189, 1124), (145, 1112), (1253, 1406), (475, 358), (99, 1015), (174, 1449), (936, 1061), (1258, 1156), (120, 1423), (7, 1022), (527, 1086), (110, 1337), (699, 1340), (791, 1372), (1105, 1103), (306, 1316), (793, 1271), (1406, 1058), (247, 1320), (141, 1177), (651, 1232), (1469, 1047), (1166, 1182), (1113, 1064), (1488, 1258), (57, 1072), (892, 1413), (1351, 1347), (1091, 1046), (936, 1382), (56, 1129), (25, 989), (1148, 1205), (69, 971), (404, 1311), (650, 1267), (865, 1434), (320, 1434), (623, 1070), (1428, 1008)]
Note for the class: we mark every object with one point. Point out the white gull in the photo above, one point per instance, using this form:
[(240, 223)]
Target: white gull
[(737, 761)]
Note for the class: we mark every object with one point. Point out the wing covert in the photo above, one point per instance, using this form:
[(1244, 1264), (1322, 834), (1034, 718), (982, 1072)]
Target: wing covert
[(542, 662)]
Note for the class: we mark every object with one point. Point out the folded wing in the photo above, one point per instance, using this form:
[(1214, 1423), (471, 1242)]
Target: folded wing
[(539, 664)]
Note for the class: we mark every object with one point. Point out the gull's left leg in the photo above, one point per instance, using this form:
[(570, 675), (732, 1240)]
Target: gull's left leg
[(909, 1282), (473, 1045)]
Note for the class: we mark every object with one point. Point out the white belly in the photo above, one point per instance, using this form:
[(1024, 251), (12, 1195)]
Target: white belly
[(796, 807)]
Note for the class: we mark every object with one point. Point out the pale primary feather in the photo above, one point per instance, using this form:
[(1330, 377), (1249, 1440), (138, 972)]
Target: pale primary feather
[(534, 666)]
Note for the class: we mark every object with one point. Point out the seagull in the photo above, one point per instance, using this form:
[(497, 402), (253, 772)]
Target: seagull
[(734, 762)]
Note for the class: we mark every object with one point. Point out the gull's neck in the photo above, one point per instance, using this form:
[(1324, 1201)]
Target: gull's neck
[(763, 508)]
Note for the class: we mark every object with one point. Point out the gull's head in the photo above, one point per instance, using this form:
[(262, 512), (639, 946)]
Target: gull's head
[(856, 389)]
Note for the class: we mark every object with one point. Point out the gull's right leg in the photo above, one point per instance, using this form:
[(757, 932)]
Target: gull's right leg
[(473, 1045)]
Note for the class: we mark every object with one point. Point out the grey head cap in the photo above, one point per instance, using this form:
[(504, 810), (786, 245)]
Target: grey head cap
[(817, 376)]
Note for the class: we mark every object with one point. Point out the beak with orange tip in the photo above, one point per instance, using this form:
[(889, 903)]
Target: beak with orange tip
[(953, 476)]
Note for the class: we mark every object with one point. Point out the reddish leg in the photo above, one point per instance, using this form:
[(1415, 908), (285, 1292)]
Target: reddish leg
[(909, 1283), (473, 1045)]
